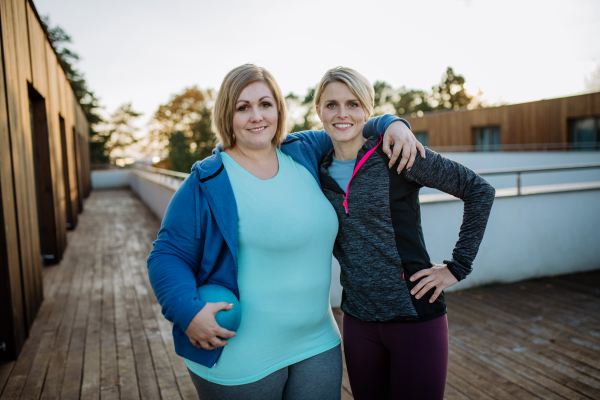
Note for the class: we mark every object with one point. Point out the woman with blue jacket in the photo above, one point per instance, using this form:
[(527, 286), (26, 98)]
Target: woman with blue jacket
[(252, 218)]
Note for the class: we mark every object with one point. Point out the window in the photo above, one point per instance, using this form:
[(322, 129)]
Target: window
[(487, 138), (423, 138), (585, 134)]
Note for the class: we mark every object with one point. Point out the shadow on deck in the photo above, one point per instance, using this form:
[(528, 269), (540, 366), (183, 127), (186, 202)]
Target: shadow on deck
[(100, 332)]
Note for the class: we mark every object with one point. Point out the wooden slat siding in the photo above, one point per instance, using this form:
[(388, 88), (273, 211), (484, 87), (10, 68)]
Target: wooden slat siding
[(37, 46), (66, 147), (14, 35), (544, 121), (56, 148), (41, 73), (12, 330)]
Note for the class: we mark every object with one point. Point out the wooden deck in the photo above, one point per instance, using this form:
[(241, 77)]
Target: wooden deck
[(100, 333)]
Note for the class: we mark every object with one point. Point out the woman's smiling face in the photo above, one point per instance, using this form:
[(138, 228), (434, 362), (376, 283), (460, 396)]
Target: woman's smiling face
[(341, 112), (255, 118)]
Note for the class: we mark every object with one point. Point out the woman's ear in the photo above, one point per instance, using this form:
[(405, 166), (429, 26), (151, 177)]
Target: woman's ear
[(318, 109)]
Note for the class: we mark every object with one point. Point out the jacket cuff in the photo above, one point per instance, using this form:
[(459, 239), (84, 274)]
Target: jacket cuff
[(460, 272), (186, 311), (387, 120)]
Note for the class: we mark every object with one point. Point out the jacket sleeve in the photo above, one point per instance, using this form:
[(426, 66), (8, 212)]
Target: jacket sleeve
[(451, 177), (320, 142), (175, 258)]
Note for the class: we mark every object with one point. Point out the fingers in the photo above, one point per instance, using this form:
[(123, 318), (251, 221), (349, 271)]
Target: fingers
[(421, 149), (437, 292), (224, 333), (387, 142), (413, 156), (419, 274), (220, 306), (395, 154), (405, 156), (425, 289), (421, 283)]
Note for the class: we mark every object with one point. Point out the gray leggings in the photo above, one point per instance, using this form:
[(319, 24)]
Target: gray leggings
[(316, 378)]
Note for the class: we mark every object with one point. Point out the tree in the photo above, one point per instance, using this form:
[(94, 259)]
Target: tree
[(592, 81), (183, 127), (120, 130), (89, 103), (450, 93), (309, 119)]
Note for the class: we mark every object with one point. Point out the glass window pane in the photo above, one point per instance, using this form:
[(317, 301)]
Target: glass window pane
[(423, 138)]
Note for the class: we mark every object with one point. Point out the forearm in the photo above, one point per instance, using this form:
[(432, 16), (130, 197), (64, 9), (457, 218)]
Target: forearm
[(478, 196)]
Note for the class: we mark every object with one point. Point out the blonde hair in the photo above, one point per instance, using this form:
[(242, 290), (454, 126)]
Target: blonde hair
[(233, 84), (358, 85)]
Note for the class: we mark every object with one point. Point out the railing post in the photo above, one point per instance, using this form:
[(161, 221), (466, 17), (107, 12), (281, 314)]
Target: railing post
[(518, 183)]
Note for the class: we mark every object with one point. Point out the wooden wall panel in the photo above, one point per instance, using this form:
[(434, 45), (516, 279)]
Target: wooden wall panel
[(17, 70), (56, 150), (539, 122), (37, 46), (12, 311)]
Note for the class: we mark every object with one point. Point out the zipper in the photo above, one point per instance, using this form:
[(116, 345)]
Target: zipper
[(358, 165)]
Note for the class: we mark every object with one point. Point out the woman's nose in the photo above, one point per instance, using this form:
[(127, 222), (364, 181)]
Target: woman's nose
[(256, 115)]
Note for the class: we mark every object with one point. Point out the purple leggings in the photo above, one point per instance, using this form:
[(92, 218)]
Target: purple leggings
[(396, 360)]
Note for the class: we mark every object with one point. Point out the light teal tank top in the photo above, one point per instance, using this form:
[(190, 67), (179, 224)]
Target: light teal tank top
[(286, 232)]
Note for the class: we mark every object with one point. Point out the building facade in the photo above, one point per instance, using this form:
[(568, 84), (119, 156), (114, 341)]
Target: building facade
[(567, 123), (44, 167)]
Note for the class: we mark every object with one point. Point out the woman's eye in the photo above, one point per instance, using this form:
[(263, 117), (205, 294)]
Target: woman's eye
[(242, 108), (267, 104), (353, 105), (330, 105)]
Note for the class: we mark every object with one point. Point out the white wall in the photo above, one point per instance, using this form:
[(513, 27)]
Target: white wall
[(110, 179), (527, 236), (498, 160)]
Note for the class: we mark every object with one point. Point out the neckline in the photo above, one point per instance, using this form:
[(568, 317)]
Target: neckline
[(227, 158)]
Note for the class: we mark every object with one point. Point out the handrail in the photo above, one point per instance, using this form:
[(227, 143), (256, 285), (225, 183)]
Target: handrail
[(528, 170), (167, 172), (180, 176)]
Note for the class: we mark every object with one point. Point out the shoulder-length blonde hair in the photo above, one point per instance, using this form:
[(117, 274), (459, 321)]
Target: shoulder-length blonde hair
[(358, 85), (233, 84)]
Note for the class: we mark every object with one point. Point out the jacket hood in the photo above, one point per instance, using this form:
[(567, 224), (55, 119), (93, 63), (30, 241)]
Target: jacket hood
[(210, 165)]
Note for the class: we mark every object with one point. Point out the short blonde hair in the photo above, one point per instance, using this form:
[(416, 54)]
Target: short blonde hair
[(358, 85), (234, 83)]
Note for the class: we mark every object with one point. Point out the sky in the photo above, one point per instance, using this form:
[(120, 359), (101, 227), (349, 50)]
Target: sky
[(144, 51)]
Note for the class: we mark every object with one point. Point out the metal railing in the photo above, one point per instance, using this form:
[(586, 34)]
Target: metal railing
[(583, 146), (173, 179), (530, 170)]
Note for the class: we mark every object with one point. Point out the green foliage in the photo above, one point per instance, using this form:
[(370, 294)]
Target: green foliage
[(183, 126), (308, 119), (99, 154), (450, 93), (119, 132)]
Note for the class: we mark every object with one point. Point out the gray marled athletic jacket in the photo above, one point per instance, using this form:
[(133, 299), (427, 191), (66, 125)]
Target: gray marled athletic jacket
[(380, 239)]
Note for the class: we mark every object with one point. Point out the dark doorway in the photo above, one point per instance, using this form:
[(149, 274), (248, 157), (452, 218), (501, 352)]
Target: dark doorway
[(48, 228)]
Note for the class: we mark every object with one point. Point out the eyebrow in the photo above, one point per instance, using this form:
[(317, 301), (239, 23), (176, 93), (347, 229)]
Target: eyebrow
[(261, 99), (335, 101)]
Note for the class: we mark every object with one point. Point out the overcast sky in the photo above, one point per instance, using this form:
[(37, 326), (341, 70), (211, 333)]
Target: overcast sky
[(143, 51)]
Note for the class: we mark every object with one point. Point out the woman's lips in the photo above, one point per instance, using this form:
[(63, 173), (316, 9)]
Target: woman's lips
[(257, 130), (342, 127)]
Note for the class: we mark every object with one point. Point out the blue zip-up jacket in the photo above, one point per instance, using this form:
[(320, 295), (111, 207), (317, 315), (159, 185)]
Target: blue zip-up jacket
[(197, 242)]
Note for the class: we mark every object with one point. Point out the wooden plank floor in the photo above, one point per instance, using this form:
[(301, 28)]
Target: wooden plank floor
[(100, 333)]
